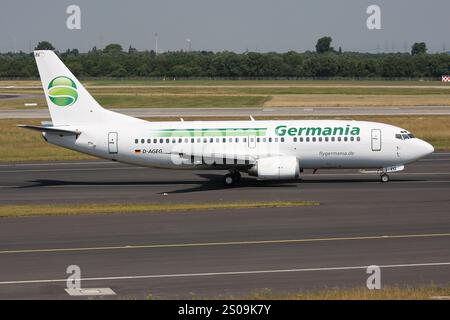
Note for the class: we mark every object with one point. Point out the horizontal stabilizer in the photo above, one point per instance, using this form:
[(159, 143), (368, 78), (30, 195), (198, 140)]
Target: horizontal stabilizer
[(50, 130)]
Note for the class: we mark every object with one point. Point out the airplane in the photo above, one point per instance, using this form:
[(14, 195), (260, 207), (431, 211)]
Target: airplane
[(269, 150)]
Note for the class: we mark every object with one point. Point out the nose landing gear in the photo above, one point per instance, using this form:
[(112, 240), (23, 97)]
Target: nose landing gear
[(384, 178)]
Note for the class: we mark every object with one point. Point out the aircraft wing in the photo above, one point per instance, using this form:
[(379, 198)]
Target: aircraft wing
[(196, 157)]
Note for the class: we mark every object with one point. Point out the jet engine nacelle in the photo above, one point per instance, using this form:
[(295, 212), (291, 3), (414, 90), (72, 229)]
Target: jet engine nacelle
[(276, 168)]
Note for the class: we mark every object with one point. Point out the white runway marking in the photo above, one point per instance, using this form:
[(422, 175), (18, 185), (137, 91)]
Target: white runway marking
[(70, 170), (230, 243), (229, 273), (150, 185), (90, 292)]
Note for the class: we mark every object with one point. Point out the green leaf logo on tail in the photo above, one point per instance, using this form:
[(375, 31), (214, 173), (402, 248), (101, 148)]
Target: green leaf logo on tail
[(62, 91)]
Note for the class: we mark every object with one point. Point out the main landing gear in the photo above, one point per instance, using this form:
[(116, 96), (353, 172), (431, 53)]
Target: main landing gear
[(231, 178), (384, 178)]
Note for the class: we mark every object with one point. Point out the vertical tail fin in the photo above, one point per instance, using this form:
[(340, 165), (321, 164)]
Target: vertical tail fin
[(68, 101)]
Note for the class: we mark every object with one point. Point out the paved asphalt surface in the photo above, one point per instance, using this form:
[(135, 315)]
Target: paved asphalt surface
[(402, 226), (244, 112)]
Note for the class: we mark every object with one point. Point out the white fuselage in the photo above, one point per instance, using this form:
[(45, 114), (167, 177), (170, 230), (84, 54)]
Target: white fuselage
[(315, 143)]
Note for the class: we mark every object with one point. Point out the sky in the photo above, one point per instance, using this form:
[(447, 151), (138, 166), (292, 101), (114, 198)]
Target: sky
[(233, 25)]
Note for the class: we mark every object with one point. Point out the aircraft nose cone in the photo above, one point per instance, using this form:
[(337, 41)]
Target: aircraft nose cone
[(426, 148)]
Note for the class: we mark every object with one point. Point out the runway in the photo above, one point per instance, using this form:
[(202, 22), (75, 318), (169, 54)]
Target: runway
[(245, 112), (402, 226)]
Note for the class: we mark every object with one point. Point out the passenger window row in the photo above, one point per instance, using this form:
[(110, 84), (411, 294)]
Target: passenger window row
[(327, 139), (252, 139)]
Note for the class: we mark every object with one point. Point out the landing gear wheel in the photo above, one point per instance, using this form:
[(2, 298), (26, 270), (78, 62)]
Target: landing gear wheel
[(229, 179), (232, 178), (384, 178)]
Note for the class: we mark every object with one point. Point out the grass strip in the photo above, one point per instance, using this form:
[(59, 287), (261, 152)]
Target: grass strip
[(432, 292), (108, 208)]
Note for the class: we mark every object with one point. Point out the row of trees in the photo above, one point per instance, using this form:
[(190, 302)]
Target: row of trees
[(113, 61)]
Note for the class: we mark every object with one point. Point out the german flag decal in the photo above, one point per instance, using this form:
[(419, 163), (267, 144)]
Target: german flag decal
[(137, 151)]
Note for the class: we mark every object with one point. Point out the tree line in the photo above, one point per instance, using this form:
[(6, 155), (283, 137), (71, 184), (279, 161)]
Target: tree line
[(326, 62)]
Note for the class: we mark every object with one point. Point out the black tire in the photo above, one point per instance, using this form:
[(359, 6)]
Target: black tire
[(384, 178), (229, 180)]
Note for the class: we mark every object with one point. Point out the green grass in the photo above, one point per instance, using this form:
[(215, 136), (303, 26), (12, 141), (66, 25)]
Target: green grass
[(19, 103), (121, 208), (170, 101), (386, 293), (253, 90), (169, 82), (204, 93), (17, 144)]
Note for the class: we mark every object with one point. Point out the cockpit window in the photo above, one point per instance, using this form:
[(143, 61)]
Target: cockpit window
[(404, 135)]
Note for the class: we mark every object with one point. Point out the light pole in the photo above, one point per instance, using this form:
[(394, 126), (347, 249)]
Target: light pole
[(189, 44)]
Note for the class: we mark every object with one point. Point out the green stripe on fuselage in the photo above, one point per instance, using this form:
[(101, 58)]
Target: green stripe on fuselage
[(222, 132)]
